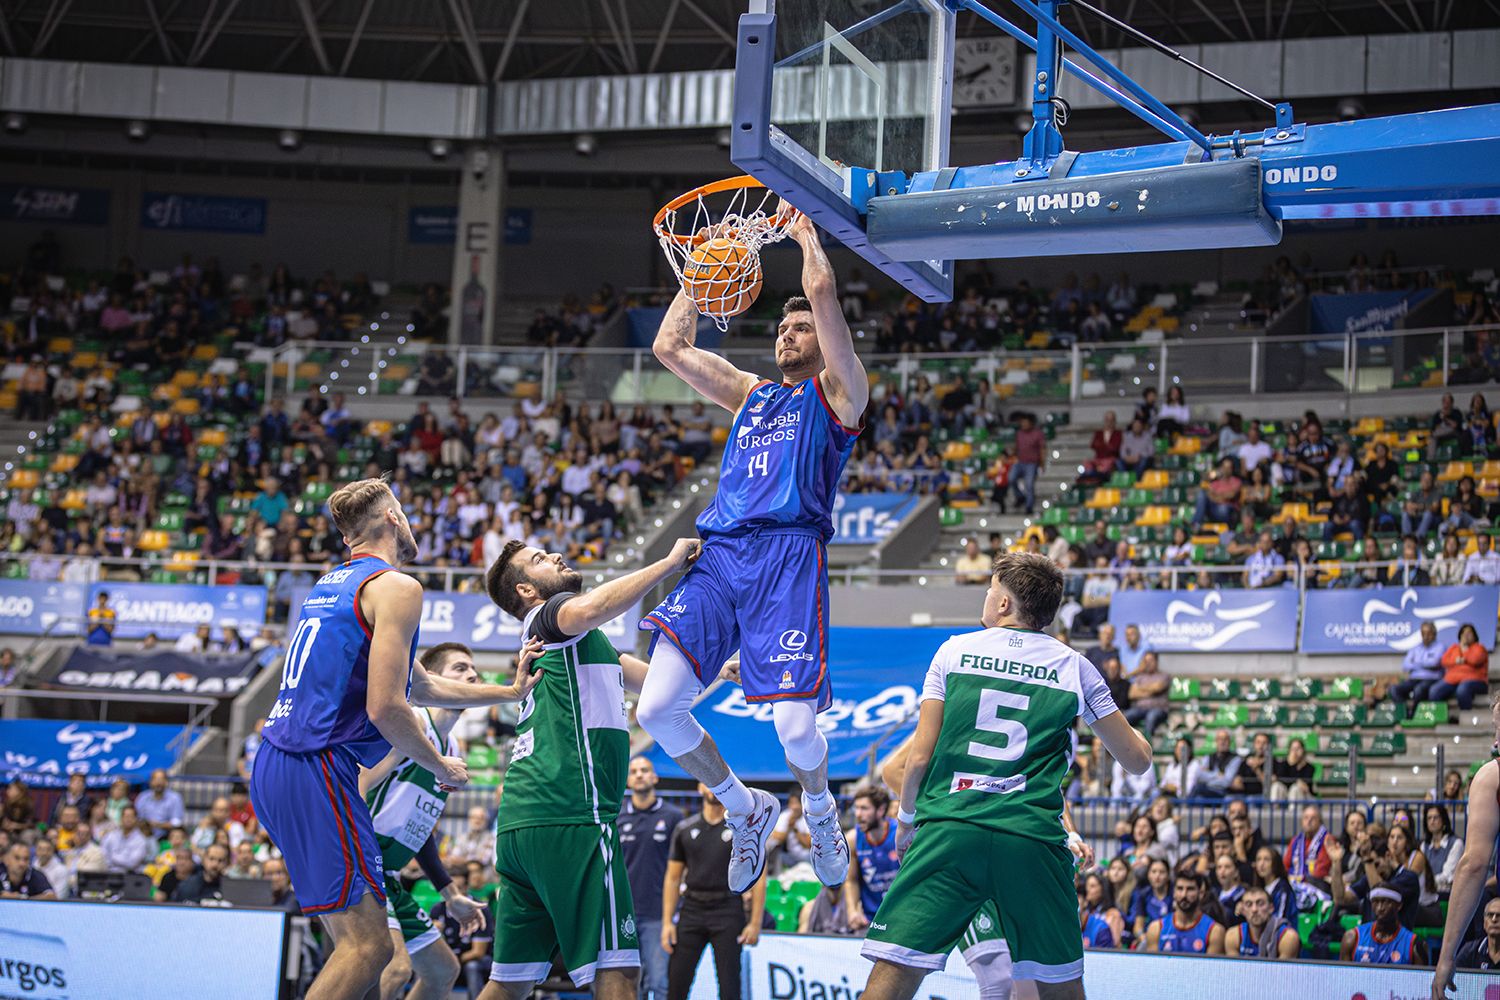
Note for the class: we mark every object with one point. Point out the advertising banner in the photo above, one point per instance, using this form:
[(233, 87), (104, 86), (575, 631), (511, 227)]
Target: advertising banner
[(44, 752), (877, 676), (1361, 312), (93, 951), (517, 227), (1209, 621), (203, 213), (35, 607), (173, 609), (1389, 619), (473, 620), (809, 967), (54, 205), (866, 518), (435, 224), (222, 675)]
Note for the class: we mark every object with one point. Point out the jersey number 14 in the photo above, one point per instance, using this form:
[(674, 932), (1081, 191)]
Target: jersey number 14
[(759, 465)]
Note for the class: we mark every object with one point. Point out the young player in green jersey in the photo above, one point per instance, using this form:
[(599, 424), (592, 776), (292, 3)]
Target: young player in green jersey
[(406, 801), (562, 886), (981, 800)]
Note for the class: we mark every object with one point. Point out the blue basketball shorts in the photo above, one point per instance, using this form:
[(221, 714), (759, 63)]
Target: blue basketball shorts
[(765, 594), (309, 804)]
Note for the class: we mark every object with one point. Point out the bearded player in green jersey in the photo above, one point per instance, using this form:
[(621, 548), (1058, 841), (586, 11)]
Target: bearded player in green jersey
[(981, 809), (406, 801), (562, 886)]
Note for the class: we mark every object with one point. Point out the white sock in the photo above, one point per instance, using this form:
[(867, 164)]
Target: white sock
[(734, 795), (817, 805)]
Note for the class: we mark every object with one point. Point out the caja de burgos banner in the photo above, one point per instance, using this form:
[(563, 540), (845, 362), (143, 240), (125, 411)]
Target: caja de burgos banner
[(1209, 621), (1388, 620)]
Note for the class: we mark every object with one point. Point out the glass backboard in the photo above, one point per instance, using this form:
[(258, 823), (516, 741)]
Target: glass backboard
[(829, 94)]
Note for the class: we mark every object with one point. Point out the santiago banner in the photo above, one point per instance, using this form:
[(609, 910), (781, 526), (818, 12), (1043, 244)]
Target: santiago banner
[(1389, 620), (203, 213), (1209, 621), (866, 518), (173, 609), (44, 753), (473, 620), (1363, 311), (220, 674), (35, 607), (877, 676), (54, 205)]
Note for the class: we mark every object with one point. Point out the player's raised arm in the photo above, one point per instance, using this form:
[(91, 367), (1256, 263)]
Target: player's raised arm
[(393, 602), (608, 601), (443, 692), (844, 377), (710, 374)]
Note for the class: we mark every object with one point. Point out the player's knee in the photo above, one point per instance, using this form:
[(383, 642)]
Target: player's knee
[(436, 964), (797, 728), (378, 951)]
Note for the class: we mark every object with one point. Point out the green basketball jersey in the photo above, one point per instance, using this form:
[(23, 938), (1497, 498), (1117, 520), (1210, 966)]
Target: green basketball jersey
[(1009, 700), (407, 803), (573, 740)]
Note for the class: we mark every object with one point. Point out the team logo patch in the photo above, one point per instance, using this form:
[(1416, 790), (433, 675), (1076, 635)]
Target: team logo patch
[(627, 927), (793, 639), (983, 923), (524, 746), (786, 681), (986, 783), (798, 391), (1017, 642)]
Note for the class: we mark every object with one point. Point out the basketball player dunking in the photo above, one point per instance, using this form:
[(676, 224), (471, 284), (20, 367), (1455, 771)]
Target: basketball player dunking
[(761, 585)]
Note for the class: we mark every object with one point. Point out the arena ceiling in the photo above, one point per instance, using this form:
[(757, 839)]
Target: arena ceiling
[(477, 41)]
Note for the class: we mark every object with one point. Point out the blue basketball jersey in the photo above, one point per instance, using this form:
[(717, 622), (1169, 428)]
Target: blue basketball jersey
[(1250, 947), (1097, 933), (1371, 951), (878, 865), (326, 673), (1192, 940), (782, 463)]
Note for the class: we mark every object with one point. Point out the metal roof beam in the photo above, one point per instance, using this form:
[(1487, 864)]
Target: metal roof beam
[(465, 24), (510, 40), (314, 37), (200, 49), (359, 29)]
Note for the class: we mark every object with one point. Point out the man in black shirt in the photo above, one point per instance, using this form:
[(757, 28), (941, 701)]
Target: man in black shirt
[(646, 826), (1099, 545), (1311, 457), (274, 869), (1119, 687), (18, 880), (1105, 648), (698, 873), (473, 949), (206, 887), (1484, 953)]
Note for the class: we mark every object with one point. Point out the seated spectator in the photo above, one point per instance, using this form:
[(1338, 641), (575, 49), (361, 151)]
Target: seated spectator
[(477, 842), (1148, 696), (1180, 552), (1242, 541), (1382, 940), (1181, 776), (53, 867), (1250, 778), (159, 807), (126, 848), (1151, 900), (1254, 451), (1404, 850), (1219, 770), (1099, 544), (1270, 875), (1423, 668), (1100, 920), (1098, 588), (1121, 565), (1291, 777), (1483, 564), (973, 567), (1382, 477), (1187, 929), (1105, 445), (1218, 496), (1231, 433), (1446, 424), (1310, 461), (183, 868), (218, 819), (1465, 509), (1262, 934), (1466, 670), (1350, 513), (1376, 868), (1448, 569), (1440, 845), (18, 810), (245, 865), (1174, 416), (1265, 567), (1137, 447), (75, 795), (20, 879), (1306, 857), (1484, 952), (1134, 650), (207, 886)]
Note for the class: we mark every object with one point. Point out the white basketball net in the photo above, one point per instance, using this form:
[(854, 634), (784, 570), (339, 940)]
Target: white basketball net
[(749, 219)]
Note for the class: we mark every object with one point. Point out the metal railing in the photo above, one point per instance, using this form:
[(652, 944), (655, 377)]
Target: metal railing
[(1348, 363)]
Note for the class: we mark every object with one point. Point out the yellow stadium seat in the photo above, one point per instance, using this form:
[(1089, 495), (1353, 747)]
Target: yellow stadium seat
[(85, 360), (1490, 469), (8, 401), (73, 500), (1295, 511), (64, 463), (1154, 517), (1186, 445), (60, 345), (153, 541), (1454, 471), (1169, 324), (309, 369), (1368, 426), (25, 479), (957, 451), (205, 352), (1038, 341), (377, 428), (1489, 488), (1154, 479), (185, 379), (1040, 364), (719, 436), (182, 561), (1103, 498), (166, 392), (1209, 541), (187, 407), (215, 436), (1015, 364)]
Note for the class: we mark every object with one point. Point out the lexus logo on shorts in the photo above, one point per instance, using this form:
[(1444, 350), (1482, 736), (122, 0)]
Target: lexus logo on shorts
[(793, 640)]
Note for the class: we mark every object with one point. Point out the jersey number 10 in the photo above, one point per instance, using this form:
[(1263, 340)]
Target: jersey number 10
[(298, 652), (990, 701)]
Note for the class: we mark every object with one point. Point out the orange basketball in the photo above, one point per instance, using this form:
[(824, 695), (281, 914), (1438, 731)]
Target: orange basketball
[(722, 276)]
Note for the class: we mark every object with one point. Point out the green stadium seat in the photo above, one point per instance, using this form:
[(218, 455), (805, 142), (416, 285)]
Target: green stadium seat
[(1337, 773), (1301, 689), (423, 892), (1261, 689), (1381, 716), (1228, 717), (1222, 690), (1429, 714), (1121, 480), (1309, 740), (1342, 689), (1338, 744), (1266, 716), (1387, 745), (1342, 716), (483, 756), (1300, 716), (952, 517), (1183, 689)]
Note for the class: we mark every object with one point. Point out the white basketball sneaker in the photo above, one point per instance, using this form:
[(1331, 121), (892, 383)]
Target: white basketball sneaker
[(752, 831), (830, 851)]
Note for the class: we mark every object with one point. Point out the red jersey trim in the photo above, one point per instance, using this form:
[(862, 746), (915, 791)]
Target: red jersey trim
[(359, 613), (823, 398)]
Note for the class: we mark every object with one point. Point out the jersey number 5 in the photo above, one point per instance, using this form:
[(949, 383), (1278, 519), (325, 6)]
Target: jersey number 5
[(299, 651), (990, 701)]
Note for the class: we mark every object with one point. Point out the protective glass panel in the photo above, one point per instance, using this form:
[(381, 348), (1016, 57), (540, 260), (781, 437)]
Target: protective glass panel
[(855, 82)]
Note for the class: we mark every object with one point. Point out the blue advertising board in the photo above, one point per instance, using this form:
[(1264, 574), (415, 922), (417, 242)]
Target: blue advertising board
[(36, 607), (203, 213), (475, 621), (1209, 621), (517, 227), (54, 205), (434, 224), (1389, 619), (44, 752), (877, 676), (1359, 312), (866, 518), (173, 609)]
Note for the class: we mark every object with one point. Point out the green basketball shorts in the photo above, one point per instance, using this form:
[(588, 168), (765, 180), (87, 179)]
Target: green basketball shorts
[(948, 876), (562, 889), (403, 913)]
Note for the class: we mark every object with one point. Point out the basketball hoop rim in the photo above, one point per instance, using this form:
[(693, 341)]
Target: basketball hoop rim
[(687, 197)]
